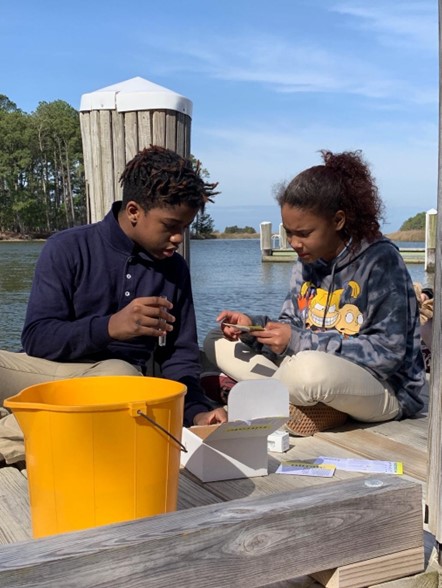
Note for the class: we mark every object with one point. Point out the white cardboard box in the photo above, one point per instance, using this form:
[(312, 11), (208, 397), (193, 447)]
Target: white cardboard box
[(238, 448)]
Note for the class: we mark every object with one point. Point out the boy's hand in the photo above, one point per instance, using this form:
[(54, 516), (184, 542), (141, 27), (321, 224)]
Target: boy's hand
[(213, 417), (147, 316)]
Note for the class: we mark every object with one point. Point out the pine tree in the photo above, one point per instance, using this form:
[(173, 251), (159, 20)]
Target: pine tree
[(202, 227)]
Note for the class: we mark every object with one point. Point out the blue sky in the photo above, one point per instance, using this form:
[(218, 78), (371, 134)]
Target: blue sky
[(271, 84)]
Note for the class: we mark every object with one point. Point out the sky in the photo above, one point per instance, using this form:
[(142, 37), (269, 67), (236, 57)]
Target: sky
[(271, 83)]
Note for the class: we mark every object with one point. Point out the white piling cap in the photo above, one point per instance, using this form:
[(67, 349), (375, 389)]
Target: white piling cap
[(135, 94)]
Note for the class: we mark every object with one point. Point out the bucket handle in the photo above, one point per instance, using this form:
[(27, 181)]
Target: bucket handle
[(141, 413)]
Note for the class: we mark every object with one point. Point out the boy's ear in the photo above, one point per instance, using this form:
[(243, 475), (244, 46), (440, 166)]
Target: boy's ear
[(133, 211)]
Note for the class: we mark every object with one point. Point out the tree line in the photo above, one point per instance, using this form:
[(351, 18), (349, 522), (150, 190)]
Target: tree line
[(42, 185), (416, 222)]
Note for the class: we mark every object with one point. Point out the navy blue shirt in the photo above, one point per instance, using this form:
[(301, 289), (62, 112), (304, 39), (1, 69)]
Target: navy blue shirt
[(86, 274)]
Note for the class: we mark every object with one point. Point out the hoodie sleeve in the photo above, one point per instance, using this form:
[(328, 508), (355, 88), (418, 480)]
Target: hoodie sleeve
[(51, 329), (388, 336)]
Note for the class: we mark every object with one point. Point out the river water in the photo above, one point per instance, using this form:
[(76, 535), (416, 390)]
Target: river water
[(225, 274)]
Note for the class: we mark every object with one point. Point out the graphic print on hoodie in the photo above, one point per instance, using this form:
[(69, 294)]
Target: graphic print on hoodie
[(323, 309)]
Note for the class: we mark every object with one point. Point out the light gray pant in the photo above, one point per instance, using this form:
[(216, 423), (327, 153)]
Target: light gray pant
[(427, 333), (311, 377), (18, 371)]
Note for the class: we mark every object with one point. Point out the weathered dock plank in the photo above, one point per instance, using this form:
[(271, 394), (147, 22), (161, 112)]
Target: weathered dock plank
[(336, 525), (14, 506), (359, 575)]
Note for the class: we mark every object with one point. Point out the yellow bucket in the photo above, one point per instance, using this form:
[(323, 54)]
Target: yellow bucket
[(94, 455)]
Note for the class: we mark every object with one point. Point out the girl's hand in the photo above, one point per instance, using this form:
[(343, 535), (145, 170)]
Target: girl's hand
[(235, 318), (276, 336)]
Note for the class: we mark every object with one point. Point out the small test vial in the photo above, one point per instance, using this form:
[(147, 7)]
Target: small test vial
[(162, 338)]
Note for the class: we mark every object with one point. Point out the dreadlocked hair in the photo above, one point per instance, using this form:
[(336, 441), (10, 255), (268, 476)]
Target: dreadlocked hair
[(345, 183), (157, 177)]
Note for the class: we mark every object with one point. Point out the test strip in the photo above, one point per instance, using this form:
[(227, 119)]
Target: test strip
[(162, 338)]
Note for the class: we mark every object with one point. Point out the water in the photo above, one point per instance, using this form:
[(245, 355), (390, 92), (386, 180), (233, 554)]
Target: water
[(226, 274), (17, 262)]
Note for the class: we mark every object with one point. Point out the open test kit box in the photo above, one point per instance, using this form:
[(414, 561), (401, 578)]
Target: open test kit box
[(238, 448)]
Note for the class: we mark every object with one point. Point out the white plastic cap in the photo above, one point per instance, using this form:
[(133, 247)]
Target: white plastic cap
[(135, 94)]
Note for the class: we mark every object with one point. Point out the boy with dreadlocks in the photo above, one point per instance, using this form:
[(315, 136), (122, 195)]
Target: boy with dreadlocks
[(106, 296)]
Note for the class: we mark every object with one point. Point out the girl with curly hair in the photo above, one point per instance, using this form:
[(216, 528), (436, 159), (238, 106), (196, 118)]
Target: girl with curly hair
[(347, 337)]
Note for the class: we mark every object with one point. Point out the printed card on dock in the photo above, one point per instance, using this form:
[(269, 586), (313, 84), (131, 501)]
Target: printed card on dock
[(306, 468), (370, 466)]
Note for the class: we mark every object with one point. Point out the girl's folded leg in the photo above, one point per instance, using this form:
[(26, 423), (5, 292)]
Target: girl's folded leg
[(315, 376)]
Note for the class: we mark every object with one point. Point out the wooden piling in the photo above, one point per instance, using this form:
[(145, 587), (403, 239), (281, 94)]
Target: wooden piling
[(430, 239), (283, 242), (116, 123), (266, 238)]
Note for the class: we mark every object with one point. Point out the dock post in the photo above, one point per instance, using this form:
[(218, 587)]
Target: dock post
[(118, 121), (283, 243), (430, 239), (266, 238)]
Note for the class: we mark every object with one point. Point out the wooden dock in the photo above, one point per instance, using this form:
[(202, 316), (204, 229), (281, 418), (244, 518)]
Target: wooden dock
[(275, 246), (291, 530), (410, 256)]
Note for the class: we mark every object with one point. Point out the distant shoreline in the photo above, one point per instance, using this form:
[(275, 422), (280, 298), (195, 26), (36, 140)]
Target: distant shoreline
[(412, 236), (11, 236)]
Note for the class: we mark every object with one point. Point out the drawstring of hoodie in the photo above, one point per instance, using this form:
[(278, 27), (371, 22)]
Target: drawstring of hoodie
[(332, 281), (329, 293)]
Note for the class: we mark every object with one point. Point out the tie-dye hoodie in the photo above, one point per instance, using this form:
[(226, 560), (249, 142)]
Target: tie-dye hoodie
[(362, 307)]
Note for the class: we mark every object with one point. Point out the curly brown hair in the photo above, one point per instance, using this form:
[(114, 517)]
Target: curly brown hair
[(157, 178), (345, 183)]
